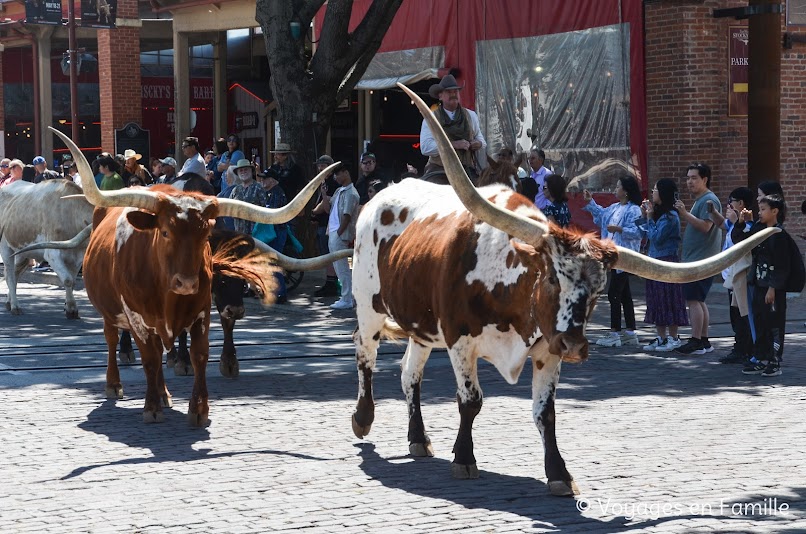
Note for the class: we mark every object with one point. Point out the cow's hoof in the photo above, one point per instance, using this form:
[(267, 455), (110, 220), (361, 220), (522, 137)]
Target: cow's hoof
[(126, 358), (464, 472), (360, 431), (198, 419), (183, 369), (114, 392), (71, 314), (167, 401), (8, 306), (563, 488), (421, 449), (15, 311), (170, 360), (229, 369), (153, 417)]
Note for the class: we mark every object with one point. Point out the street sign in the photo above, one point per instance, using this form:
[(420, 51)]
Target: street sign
[(43, 11)]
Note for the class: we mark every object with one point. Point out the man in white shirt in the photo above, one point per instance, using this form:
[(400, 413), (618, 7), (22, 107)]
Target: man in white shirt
[(533, 185), (341, 232), (460, 124), (194, 162)]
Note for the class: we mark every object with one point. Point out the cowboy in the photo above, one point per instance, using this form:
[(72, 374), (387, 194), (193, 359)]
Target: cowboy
[(460, 124), (285, 171), (133, 169)]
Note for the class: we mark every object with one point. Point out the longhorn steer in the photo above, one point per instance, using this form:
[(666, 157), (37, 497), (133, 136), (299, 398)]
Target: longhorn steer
[(34, 212), (148, 269), (493, 280)]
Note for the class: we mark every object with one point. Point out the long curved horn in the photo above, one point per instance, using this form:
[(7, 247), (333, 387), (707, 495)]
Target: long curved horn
[(244, 210), (308, 264), (505, 220), (70, 243), (129, 197), (664, 271)]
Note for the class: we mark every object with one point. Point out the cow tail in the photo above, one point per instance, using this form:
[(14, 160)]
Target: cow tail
[(239, 258), (392, 331)]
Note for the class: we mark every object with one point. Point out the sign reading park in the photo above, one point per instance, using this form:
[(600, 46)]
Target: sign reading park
[(738, 70)]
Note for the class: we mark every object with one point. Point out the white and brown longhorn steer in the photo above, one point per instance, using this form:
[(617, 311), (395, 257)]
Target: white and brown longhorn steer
[(483, 274)]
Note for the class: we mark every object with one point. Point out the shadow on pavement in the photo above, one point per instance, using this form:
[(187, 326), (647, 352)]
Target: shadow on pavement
[(125, 426), (529, 498)]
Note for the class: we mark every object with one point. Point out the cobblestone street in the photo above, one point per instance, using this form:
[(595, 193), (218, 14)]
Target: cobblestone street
[(656, 442)]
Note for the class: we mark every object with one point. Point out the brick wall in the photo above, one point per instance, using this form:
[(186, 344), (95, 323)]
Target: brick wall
[(119, 76), (2, 99), (687, 105)]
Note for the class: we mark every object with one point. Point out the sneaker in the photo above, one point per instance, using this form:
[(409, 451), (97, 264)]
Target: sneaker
[(692, 347), (707, 345), (754, 367), (772, 369), (733, 357), (613, 339), (657, 342), (669, 344), (341, 305), (628, 340)]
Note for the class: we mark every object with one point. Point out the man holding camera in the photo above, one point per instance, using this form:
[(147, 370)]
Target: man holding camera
[(701, 239)]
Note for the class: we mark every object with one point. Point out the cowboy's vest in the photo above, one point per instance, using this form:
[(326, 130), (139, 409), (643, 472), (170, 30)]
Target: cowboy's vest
[(456, 130)]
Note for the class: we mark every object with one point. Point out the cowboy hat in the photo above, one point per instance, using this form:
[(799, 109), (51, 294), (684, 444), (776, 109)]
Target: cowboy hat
[(281, 148), (447, 82), (243, 163), (129, 153)]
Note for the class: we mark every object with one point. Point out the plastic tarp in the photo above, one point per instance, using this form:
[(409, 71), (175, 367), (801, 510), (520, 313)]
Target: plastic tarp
[(571, 91), (404, 66)]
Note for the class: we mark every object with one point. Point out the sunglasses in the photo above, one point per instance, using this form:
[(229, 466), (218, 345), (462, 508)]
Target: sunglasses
[(3, 166)]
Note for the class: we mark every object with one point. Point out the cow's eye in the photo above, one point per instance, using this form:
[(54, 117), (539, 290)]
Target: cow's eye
[(165, 233), (553, 281)]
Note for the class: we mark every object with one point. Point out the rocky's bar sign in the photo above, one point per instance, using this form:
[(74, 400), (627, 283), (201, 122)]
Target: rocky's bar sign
[(738, 70)]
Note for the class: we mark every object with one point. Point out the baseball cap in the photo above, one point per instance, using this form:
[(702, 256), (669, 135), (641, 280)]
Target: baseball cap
[(168, 161), (324, 160), (368, 155), (39, 160)]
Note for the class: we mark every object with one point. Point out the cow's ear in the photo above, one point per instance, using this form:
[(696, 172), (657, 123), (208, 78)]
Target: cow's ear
[(142, 220), (528, 255), (491, 161), (518, 161), (210, 212)]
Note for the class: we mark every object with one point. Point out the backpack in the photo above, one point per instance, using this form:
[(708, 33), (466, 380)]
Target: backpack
[(797, 271)]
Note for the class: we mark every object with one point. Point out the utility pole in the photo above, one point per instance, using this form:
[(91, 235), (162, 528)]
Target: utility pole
[(73, 56), (764, 98)]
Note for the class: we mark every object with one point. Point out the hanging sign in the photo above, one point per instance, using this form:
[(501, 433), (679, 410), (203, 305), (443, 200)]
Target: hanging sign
[(43, 11), (99, 13), (738, 70)]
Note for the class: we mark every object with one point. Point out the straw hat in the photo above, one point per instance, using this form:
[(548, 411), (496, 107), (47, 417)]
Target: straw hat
[(129, 153)]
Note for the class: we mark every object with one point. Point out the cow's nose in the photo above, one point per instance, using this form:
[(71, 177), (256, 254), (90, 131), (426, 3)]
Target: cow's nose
[(185, 285), (571, 348), (233, 312)]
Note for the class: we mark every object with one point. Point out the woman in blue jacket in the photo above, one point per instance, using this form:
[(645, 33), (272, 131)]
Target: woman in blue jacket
[(617, 222), (665, 305)]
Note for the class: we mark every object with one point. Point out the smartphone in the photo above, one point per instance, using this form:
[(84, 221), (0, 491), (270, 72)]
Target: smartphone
[(676, 196)]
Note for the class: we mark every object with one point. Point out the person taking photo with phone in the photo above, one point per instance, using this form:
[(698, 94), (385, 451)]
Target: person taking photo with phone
[(701, 239), (617, 222)]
